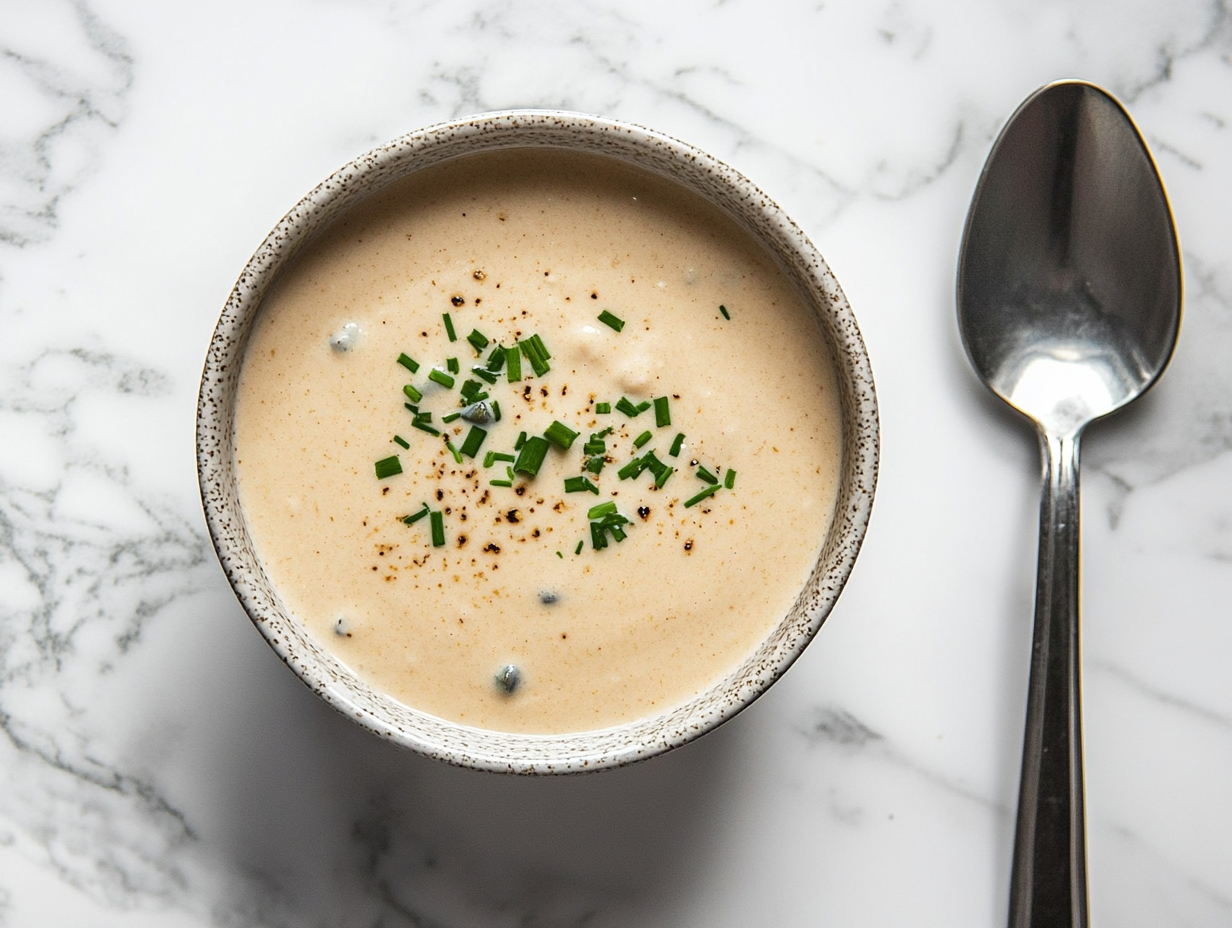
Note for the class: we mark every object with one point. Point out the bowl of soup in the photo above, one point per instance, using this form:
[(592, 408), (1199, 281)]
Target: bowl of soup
[(537, 442)]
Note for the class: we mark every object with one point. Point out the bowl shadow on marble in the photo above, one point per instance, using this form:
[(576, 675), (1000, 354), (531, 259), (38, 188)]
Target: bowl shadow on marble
[(312, 815)]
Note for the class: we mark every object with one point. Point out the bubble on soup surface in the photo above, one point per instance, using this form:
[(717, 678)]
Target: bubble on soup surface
[(346, 337)]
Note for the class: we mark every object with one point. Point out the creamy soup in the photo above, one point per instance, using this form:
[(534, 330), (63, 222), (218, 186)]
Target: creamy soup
[(643, 512)]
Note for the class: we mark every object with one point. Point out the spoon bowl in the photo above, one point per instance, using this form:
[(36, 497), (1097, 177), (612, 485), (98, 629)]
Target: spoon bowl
[(1069, 305)]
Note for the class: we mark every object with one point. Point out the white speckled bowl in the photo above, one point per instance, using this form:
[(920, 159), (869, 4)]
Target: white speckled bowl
[(490, 750)]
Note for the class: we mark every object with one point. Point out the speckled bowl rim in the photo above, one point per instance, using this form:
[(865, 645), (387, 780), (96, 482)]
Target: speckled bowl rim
[(499, 751)]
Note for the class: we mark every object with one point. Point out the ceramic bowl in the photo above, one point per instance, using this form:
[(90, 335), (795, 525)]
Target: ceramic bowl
[(491, 750)]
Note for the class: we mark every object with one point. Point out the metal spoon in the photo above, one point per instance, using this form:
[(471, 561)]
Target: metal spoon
[(1069, 302)]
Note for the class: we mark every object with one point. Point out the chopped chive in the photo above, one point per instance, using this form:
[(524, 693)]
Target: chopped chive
[(517, 445), (560, 435), (559, 555), (451, 364), (530, 458), (595, 464), (387, 467), (423, 416), (457, 455), (627, 408), (496, 411), (676, 444), (663, 413), (723, 310), (501, 483), (478, 341), (513, 364), (580, 485), (611, 321), (496, 359), (453, 336), (415, 517), (422, 425), (483, 374), (474, 439), (439, 376), (413, 409), (414, 395), (617, 532), (602, 409), (595, 446), (578, 549), (470, 388), (729, 479), (597, 539), (399, 440), (540, 347), (662, 476), (642, 439), (438, 528), (709, 491), (493, 456), (449, 417), (632, 469), (706, 475), (408, 362), (601, 510), (533, 351), (643, 406)]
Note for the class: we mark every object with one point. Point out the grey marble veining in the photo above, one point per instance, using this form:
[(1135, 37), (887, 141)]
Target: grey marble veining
[(159, 765)]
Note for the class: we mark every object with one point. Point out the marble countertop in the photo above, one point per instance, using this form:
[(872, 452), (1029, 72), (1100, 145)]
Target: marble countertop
[(161, 768)]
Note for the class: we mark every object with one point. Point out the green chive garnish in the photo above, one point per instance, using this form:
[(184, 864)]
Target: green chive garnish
[(399, 440), (627, 408), (478, 341), (597, 539), (578, 549), (474, 438), (602, 409), (483, 374), (723, 310), (729, 479), (437, 519), (643, 406), (517, 445), (709, 491), (595, 464), (560, 435), (453, 336), (423, 426), (439, 376), (469, 389), (579, 485), (530, 458), (706, 475), (414, 395), (676, 444), (540, 347), (412, 519), (632, 469), (603, 509), (457, 455), (663, 414), (449, 417), (495, 411), (387, 467), (496, 359), (451, 364), (536, 354), (611, 321), (513, 364), (408, 362), (501, 483), (642, 439)]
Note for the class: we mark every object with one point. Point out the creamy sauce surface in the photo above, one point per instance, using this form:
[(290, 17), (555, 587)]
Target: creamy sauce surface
[(516, 244)]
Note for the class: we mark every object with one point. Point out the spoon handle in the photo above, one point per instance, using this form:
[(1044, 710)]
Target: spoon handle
[(1048, 887)]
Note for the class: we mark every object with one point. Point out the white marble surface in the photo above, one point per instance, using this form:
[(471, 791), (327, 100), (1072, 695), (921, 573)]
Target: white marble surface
[(159, 767)]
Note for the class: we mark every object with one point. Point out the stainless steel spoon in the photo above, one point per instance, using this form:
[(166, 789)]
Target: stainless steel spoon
[(1069, 303)]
